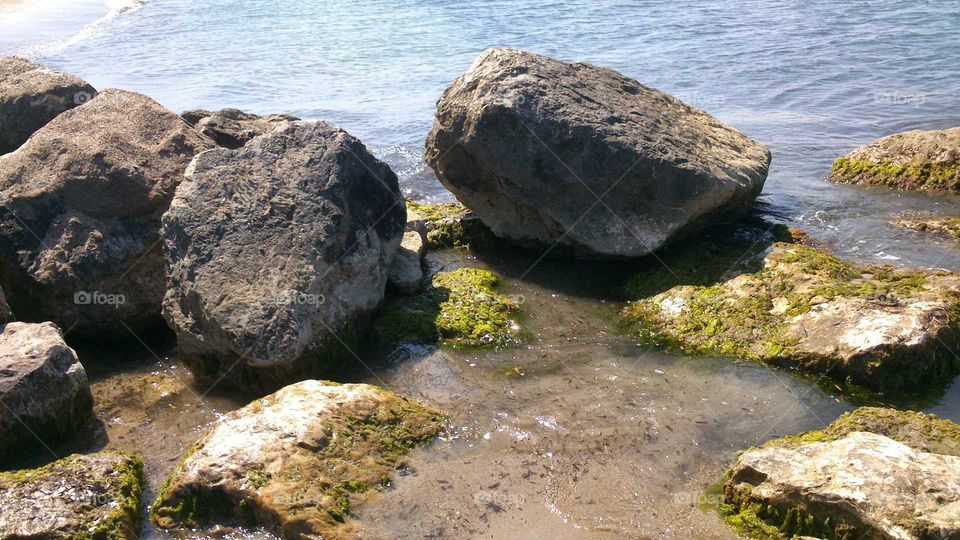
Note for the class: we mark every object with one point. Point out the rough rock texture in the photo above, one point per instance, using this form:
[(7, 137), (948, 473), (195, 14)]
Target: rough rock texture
[(80, 207), (914, 160), (529, 144), (31, 96), (43, 388), (874, 473), (81, 497), (232, 128), (277, 253), (943, 226), (462, 308), (6, 315), (889, 330), (296, 461), (406, 270)]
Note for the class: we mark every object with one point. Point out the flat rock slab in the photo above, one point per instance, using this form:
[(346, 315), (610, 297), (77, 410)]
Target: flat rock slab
[(80, 207), (866, 485), (913, 160), (296, 461), (43, 389), (277, 253), (94, 496), (548, 152), (885, 329), (31, 96)]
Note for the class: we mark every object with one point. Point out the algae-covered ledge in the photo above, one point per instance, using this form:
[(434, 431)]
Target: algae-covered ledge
[(802, 308), (761, 499)]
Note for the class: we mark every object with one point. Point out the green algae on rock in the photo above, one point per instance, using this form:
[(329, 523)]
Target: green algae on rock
[(892, 474), (943, 226), (913, 160), (297, 461), (451, 225), (80, 497), (884, 329), (462, 308)]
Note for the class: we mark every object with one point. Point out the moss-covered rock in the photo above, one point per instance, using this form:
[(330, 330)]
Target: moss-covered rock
[(943, 226), (80, 497), (874, 473), (451, 225), (873, 326), (914, 160), (461, 308), (295, 462)]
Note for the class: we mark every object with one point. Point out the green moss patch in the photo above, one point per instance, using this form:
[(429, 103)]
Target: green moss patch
[(462, 308), (749, 315), (451, 225), (907, 176), (766, 522), (920, 431), (91, 497)]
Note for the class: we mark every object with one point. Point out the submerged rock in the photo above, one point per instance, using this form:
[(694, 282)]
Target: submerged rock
[(277, 254), (913, 160), (80, 207), (886, 329), (295, 462), (406, 270), (232, 128), (461, 308), (547, 152), (43, 388), (81, 497), (875, 473), (31, 96), (943, 226)]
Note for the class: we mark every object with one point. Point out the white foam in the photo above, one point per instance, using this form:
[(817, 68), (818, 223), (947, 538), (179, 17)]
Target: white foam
[(64, 14)]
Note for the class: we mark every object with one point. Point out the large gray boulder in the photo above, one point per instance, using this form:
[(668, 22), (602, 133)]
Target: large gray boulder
[(80, 207), (530, 144), (31, 96), (43, 388), (233, 128), (79, 497), (912, 160), (277, 253), (295, 462)]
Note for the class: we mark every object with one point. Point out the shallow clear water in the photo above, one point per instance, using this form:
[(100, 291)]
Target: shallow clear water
[(597, 438)]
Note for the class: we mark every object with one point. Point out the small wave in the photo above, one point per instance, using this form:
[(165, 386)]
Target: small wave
[(115, 10)]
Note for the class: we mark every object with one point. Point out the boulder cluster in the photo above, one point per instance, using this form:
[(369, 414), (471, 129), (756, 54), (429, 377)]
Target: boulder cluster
[(275, 247)]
